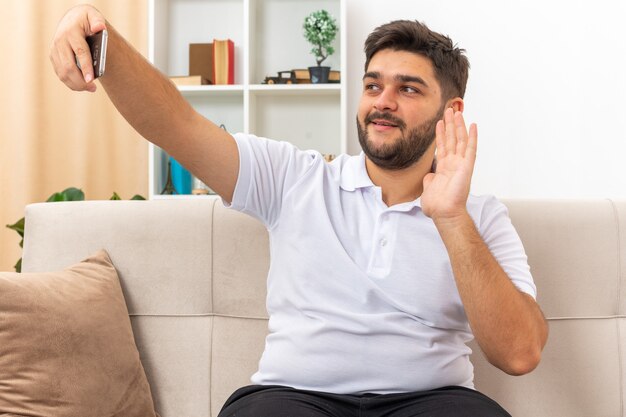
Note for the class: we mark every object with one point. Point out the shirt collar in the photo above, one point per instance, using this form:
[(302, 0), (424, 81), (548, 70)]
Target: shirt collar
[(354, 174)]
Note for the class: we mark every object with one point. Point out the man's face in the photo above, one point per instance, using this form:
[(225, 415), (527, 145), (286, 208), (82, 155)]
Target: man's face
[(399, 108)]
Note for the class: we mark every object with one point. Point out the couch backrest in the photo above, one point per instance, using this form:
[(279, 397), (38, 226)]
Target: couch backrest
[(193, 274), (577, 254)]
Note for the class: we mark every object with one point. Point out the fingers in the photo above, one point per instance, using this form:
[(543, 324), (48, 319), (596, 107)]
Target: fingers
[(461, 133), (96, 21), (472, 143), (448, 119), (452, 137), (69, 48), (440, 135), (64, 62), (80, 50)]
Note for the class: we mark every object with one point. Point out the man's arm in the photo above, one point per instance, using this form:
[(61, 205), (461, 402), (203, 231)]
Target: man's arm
[(147, 100), (507, 323)]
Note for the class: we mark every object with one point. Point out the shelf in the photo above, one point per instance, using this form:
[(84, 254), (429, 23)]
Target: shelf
[(174, 24), (217, 90), (276, 36), (259, 89), (296, 89), (268, 38)]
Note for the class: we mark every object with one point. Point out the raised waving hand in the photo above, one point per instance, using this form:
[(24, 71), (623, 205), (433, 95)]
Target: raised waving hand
[(446, 190)]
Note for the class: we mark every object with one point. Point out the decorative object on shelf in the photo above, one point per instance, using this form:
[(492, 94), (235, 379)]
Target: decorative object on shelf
[(223, 61), (320, 29), (189, 80), (181, 178), (69, 194), (169, 185), (284, 77), (201, 61), (300, 76)]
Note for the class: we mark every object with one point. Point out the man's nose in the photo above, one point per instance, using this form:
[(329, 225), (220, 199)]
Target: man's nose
[(386, 100)]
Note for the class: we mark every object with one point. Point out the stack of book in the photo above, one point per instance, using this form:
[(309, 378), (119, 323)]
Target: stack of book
[(210, 63)]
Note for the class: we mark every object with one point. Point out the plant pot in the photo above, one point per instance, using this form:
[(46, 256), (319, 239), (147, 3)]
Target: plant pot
[(319, 74)]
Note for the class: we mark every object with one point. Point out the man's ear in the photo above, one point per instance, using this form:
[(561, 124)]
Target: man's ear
[(456, 103)]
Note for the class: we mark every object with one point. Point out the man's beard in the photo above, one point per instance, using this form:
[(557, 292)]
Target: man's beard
[(405, 150)]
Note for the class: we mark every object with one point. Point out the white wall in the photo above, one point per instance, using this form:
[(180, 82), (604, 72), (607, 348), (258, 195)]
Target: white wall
[(546, 87)]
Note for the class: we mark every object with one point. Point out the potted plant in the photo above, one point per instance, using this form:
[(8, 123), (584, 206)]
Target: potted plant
[(320, 29)]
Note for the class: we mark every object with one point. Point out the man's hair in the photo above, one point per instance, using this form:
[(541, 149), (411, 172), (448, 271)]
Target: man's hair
[(450, 64)]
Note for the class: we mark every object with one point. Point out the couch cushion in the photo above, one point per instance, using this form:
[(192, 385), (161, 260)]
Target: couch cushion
[(66, 345)]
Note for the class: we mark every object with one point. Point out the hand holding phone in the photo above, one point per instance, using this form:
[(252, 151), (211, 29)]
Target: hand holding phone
[(98, 50)]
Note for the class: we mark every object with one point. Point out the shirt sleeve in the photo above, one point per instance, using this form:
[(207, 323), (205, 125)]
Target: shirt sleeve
[(505, 244), (268, 170)]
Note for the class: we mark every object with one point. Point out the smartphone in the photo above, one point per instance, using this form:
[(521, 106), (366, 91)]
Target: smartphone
[(98, 47)]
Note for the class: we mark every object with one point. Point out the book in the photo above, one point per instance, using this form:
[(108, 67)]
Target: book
[(224, 61), (189, 80), (301, 74), (201, 60)]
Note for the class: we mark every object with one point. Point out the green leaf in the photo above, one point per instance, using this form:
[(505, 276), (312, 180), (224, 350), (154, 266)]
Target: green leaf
[(18, 226), (69, 194), (73, 194), (18, 266), (56, 197), (138, 197), (320, 29), (115, 196)]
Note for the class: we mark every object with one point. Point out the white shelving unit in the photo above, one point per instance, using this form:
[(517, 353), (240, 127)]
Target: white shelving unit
[(268, 38)]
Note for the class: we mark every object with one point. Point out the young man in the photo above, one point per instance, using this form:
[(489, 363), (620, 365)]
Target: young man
[(383, 266)]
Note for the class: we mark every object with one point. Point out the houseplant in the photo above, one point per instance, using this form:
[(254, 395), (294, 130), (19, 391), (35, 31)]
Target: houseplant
[(320, 29), (69, 194)]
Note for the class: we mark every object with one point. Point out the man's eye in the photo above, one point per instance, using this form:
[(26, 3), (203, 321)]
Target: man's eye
[(409, 89), (372, 87)]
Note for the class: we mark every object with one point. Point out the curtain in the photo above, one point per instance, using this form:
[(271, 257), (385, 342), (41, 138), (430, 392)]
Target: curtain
[(52, 138)]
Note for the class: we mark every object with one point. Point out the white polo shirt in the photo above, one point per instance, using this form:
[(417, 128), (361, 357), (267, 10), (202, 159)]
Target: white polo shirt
[(361, 296)]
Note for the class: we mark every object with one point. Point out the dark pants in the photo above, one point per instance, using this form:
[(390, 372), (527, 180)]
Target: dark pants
[(278, 401)]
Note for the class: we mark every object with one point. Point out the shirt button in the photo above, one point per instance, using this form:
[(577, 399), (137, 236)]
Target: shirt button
[(383, 242)]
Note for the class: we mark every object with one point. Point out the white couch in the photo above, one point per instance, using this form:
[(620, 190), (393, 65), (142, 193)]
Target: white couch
[(193, 275)]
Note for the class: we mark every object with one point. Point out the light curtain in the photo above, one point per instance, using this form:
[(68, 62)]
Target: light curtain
[(52, 138)]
